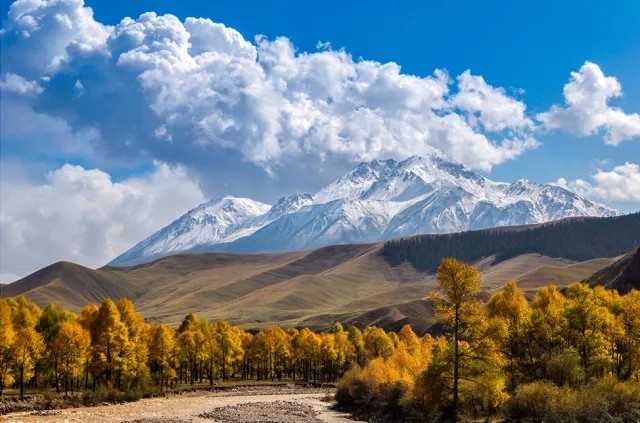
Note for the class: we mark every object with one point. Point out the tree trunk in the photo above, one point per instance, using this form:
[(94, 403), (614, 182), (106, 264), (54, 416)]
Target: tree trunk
[(22, 382), (55, 370), (86, 374), (456, 362)]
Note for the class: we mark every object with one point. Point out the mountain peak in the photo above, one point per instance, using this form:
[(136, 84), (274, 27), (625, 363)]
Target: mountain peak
[(224, 200), (430, 156), (374, 201), (290, 204), (229, 205), (216, 221)]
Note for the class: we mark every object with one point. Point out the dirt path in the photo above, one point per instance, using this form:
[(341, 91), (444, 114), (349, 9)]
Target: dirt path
[(273, 406)]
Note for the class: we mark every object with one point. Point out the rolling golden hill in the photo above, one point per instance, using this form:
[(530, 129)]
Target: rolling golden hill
[(352, 283)]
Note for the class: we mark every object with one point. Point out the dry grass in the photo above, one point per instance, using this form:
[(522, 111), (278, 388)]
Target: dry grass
[(352, 283)]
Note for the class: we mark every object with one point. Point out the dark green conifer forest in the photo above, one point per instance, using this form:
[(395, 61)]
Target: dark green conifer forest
[(574, 239)]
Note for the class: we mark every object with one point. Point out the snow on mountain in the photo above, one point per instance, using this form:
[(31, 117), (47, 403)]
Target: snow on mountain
[(355, 183), (342, 221), (220, 220), (375, 201), (290, 204)]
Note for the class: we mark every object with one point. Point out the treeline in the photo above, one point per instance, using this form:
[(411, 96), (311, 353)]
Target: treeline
[(109, 345), (571, 356), (582, 239)]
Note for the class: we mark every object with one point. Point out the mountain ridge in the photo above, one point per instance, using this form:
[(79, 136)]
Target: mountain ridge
[(375, 201)]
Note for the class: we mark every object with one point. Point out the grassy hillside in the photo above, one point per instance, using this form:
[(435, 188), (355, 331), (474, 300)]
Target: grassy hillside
[(352, 283), (70, 284)]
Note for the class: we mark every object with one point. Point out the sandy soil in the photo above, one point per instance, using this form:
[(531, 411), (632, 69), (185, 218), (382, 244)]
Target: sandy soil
[(264, 405)]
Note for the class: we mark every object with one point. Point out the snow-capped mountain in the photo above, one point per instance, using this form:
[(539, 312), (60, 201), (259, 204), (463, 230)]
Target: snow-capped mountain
[(220, 220), (375, 201)]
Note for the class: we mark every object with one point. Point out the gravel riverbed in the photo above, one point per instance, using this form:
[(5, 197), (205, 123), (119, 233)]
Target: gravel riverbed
[(287, 404)]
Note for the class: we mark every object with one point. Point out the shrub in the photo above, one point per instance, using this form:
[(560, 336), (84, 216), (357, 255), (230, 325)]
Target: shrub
[(610, 400), (538, 402), (390, 398), (88, 397), (107, 394), (351, 388), (564, 369), (343, 396), (604, 400)]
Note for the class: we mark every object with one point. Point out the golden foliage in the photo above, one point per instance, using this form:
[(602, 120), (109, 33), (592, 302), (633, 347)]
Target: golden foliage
[(507, 350)]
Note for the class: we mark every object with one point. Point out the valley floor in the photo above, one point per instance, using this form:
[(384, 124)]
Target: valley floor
[(267, 404)]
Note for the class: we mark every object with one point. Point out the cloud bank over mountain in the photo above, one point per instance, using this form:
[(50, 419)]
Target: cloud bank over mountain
[(218, 113), (187, 92), (175, 90), (83, 215)]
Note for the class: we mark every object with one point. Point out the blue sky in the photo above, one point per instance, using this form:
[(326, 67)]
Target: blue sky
[(90, 110)]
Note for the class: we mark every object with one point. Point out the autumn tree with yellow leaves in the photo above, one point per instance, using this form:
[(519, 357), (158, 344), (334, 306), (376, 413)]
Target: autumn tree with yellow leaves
[(27, 347), (163, 355), (530, 358), (511, 310), (457, 306), (71, 343), (110, 344), (228, 351), (48, 324), (7, 341)]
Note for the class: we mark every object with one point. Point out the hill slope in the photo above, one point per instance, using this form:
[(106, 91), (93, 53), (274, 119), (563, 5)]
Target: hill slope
[(353, 283), (73, 285), (623, 275)]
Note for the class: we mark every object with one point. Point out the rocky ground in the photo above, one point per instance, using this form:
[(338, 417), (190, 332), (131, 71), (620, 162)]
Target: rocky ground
[(275, 411), (287, 404)]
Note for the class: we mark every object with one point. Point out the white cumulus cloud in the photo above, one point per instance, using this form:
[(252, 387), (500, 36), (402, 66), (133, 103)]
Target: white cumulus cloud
[(587, 110), (622, 183), (40, 36), (10, 82), (82, 215), (495, 109), (579, 186), (192, 91)]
